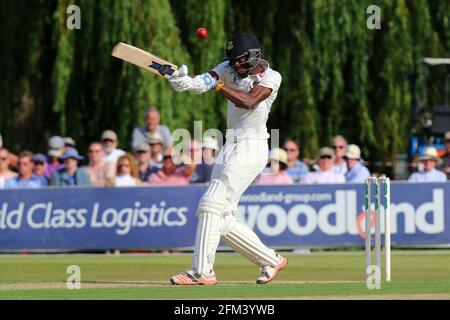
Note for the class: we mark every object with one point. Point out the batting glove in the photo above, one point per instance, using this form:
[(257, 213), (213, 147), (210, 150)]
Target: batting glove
[(182, 81), (203, 83)]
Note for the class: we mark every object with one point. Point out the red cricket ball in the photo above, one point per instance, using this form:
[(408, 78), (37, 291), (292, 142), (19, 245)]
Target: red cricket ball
[(202, 33)]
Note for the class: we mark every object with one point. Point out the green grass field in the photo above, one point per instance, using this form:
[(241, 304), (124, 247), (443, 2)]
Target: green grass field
[(321, 275)]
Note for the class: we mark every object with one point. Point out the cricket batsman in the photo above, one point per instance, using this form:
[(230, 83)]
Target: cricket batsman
[(250, 86)]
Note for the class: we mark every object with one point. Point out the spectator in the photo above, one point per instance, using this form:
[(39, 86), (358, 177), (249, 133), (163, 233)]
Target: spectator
[(429, 160), (357, 172), (26, 178), (325, 173), (152, 125), (142, 154), (53, 163), (40, 165), (339, 147), (445, 160), (12, 158), (70, 175), (296, 168), (278, 166), (170, 174), (127, 172), (101, 173), (203, 171), (68, 143), (156, 144), (110, 143), (3, 159), (5, 171), (56, 143)]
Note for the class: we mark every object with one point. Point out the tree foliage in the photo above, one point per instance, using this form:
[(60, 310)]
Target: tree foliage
[(338, 76)]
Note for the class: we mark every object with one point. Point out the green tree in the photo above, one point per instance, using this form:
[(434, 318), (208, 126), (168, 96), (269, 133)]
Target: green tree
[(338, 76)]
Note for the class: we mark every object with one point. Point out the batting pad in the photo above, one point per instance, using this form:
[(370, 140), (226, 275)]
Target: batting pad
[(214, 199), (207, 240), (245, 241)]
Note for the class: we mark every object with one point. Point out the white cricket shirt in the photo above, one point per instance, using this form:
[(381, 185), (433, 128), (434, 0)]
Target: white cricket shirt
[(244, 123)]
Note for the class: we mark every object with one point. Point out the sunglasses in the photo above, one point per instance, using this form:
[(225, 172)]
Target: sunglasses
[(338, 147), (325, 157)]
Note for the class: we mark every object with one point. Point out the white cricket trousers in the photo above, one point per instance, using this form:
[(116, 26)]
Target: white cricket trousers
[(237, 165)]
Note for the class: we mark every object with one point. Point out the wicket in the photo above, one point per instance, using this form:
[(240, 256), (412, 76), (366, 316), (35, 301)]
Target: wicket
[(382, 200)]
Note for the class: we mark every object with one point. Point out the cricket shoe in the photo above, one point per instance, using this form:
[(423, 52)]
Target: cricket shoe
[(191, 277), (269, 272)]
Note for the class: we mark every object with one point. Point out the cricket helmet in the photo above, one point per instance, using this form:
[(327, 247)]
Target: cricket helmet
[(242, 44)]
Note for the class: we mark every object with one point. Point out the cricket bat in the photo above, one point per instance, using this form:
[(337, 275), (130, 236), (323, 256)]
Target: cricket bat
[(145, 60)]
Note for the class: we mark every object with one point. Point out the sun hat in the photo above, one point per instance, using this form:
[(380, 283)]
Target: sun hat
[(71, 153), (154, 138), (326, 152), (56, 142), (142, 147), (69, 142), (430, 153), (39, 157), (353, 152), (54, 153), (109, 135), (279, 155)]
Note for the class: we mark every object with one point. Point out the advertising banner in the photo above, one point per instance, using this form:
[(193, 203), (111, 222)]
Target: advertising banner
[(164, 217)]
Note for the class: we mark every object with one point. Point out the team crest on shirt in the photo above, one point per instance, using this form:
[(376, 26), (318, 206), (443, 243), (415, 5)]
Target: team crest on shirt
[(230, 45)]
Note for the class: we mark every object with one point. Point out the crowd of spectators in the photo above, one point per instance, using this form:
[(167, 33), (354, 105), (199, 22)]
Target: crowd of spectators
[(154, 162)]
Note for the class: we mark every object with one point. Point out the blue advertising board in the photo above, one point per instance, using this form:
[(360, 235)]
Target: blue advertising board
[(164, 217)]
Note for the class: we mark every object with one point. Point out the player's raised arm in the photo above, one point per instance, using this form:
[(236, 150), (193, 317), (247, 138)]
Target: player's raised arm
[(209, 80), (246, 100), (242, 61)]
